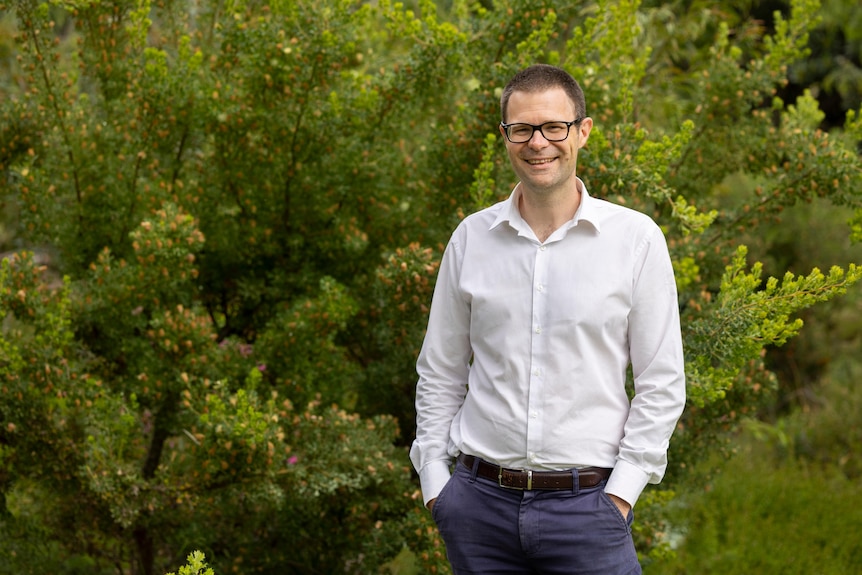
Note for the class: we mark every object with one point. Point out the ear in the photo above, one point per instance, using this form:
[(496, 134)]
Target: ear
[(584, 131)]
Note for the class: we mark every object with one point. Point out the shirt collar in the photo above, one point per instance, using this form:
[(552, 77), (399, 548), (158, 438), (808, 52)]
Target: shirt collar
[(588, 211)]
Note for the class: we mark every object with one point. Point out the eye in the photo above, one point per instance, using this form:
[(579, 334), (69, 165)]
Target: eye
[(521, 130), (554, 128)]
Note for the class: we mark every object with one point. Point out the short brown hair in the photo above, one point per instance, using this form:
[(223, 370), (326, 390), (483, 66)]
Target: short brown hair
[(541, 77)]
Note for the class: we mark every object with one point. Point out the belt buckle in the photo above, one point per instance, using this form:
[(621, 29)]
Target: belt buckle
[(529, 486)]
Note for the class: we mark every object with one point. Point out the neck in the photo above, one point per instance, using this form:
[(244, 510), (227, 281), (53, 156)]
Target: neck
[(545, 212)]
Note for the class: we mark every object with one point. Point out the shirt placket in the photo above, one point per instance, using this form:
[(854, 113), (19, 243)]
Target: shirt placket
[(538, 348)]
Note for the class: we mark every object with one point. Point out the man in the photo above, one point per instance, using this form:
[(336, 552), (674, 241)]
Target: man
[(542, 302)]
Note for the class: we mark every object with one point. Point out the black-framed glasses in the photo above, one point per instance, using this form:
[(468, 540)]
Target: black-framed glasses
[(520, 133)]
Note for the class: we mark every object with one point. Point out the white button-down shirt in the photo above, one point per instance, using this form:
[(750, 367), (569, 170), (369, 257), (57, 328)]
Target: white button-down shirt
[(528, 343)]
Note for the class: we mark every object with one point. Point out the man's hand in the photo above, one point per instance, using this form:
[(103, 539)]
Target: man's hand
[(622, 505), (430, 504)]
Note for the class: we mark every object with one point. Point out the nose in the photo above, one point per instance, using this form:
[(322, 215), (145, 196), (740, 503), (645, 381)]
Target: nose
[(537, 140)]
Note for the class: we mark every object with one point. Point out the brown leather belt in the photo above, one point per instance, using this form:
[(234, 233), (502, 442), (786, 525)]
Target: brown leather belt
[(527, 480)]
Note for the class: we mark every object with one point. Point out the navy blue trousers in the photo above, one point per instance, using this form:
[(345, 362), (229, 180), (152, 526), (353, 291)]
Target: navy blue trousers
[(490, 530)]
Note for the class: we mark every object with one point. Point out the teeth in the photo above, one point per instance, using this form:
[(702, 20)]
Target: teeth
[(537, 162)]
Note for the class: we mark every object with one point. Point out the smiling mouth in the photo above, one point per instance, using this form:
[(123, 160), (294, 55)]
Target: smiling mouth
[(540, 161)]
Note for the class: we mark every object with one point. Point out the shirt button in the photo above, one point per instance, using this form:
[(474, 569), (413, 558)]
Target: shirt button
[(532, 456), (540, 287), (542, 248), (538, 330), (534, 414)]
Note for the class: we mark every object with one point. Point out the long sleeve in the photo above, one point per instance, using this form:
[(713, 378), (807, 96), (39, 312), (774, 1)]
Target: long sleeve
[(443, 367), (655, 348)]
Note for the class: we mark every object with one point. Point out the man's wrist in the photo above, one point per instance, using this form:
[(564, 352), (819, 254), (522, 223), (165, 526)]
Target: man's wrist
[(432, 478), (623, 505), (627, 482)]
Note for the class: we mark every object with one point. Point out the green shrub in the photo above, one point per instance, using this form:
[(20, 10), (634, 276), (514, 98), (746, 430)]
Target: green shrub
[(242, 205), (195, 565), (785, 502), (790, 519)]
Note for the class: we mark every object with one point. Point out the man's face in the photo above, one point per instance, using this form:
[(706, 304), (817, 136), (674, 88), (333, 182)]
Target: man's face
[(544, 166)]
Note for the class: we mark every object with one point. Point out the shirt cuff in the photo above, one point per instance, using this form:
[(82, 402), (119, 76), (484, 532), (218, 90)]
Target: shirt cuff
[(627, 482), (433, 477)]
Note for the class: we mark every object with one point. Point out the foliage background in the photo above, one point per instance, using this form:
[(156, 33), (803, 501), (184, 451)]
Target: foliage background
[(222, 222)]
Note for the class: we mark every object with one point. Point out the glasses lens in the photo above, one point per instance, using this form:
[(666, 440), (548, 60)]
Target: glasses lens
[(552, 131), (555, 131), (520, 132)]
